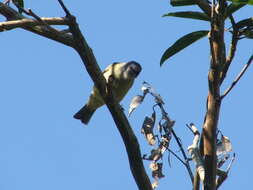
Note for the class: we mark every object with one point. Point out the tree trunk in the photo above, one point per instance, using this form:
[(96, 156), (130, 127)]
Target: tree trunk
[(218, 59)]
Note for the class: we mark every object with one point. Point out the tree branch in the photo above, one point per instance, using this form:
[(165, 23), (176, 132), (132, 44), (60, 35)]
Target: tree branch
[(238, 77), (78, 42), (210, 126), (12, 15), (127, 134), (26, 22)]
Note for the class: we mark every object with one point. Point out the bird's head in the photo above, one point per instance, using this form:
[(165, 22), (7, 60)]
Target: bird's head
[(132, 70)]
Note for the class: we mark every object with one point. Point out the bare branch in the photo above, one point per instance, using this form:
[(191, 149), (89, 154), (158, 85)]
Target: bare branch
[(26, 22), (10, 14), (64, 7), (77, 41), (187, 165), (238, 77), (174, 154), (51, 29), (128, 136)]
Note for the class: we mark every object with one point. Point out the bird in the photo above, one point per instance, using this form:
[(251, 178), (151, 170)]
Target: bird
[(123, 75)]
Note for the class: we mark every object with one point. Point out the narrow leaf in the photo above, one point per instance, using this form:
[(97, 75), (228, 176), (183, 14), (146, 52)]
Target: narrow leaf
[(248, 34), (245, 23), (233, 7), (189, 14), (250, 2), (182, 43), (182, 2)]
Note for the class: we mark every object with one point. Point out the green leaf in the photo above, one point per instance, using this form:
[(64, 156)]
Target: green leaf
[(233, 7), (245, 23), (189, 14), (182, 2), (248, 34), (182, 43), (250, 2)]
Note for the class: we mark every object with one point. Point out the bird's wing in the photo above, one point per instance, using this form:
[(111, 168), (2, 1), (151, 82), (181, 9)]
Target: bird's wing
[(109, 67), (112, 69)]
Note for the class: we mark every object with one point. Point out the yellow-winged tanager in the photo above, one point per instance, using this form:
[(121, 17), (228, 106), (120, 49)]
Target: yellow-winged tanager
[(123, 75)]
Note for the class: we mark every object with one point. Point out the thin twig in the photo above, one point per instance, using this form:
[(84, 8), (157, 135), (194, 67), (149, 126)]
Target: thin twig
[(31, 13), (64, 8), (187, 164), (20, 8), (238, 77), (174, 154), (184, 155)]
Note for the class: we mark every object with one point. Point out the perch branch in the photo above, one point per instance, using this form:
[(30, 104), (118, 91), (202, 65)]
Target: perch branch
[(127, 134)]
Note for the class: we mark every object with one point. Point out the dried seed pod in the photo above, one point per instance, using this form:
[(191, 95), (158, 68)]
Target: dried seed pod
[(156, 169), (135, 102), (147, 128), (224, 146)]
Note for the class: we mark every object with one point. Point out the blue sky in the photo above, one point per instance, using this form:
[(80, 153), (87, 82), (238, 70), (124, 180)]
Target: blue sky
[(43, 83)]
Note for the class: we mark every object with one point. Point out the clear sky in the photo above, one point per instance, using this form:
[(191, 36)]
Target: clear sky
[(43, 83)]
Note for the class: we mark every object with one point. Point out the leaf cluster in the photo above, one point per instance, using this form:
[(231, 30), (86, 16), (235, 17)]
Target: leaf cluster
[(193, 37)]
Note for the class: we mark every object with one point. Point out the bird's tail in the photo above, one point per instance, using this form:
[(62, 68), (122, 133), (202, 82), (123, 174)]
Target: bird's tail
[(84, 114)]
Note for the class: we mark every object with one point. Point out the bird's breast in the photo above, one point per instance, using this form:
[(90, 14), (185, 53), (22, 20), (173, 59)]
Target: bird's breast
[(121, 87)]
